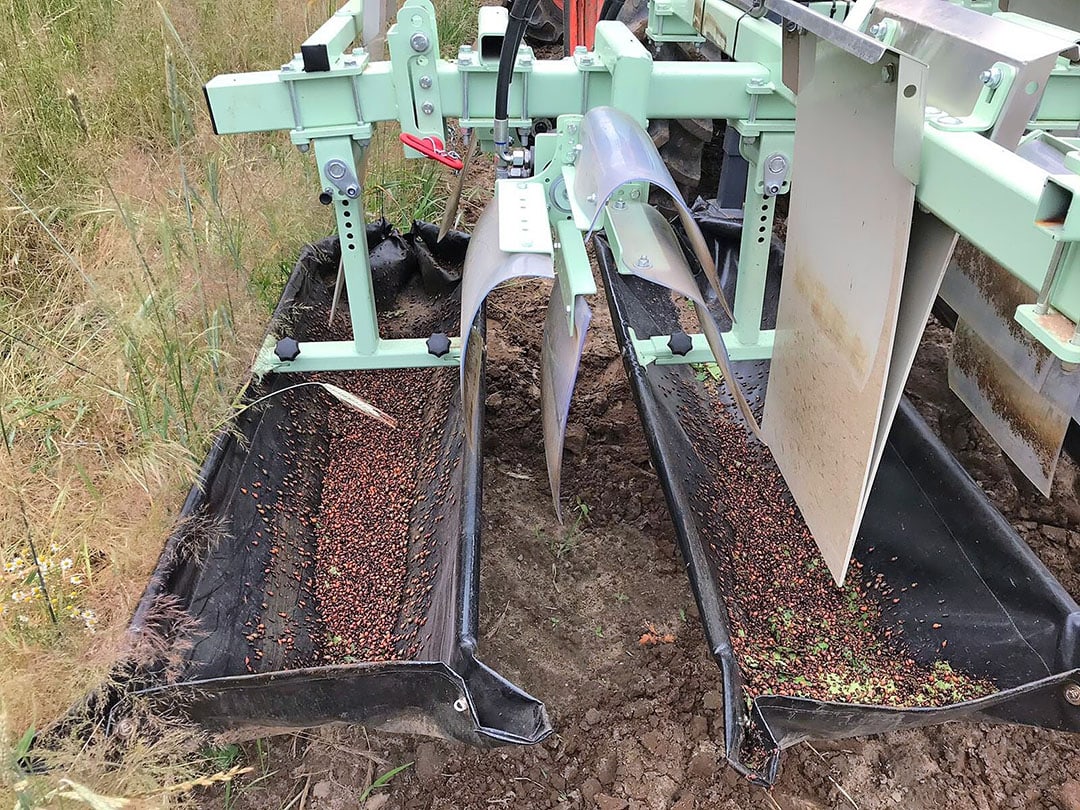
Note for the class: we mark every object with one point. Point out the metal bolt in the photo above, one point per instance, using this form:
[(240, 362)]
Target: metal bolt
[(619, 205), (348, 62), (878, 30), (773, 189), (757, 82), (643, 261), (425, 82), (992, 77), (303, 148), (777, 164), (427, 107), (360, 51), (419, 42), (1072, 694), (635, 195), (287, 67), (888, 73), (352, 191), (461, 704), (335, 169)]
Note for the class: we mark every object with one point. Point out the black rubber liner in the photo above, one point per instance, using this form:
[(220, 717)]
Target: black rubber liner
[(215, 582), (927, 522)]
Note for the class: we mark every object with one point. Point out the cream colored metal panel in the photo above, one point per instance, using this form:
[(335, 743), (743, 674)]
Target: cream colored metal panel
[(848, 232)]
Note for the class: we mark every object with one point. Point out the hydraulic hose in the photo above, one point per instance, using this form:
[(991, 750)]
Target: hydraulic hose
[(520, 14)]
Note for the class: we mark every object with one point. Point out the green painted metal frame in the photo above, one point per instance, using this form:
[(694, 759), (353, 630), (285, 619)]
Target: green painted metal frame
[(1013, 210)]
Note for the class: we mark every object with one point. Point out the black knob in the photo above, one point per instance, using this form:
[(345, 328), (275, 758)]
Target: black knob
[(438, 344), (287, 349), (680, 343), (326, 197)]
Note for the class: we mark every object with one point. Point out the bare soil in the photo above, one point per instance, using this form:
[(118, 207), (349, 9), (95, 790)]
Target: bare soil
[(640, 726)]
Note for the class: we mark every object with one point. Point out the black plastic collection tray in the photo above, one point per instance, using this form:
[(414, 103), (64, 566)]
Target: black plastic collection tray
[(210, 584), (927, 521)]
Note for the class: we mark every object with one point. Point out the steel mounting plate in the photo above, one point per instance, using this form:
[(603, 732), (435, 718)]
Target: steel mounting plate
[(848, 231)]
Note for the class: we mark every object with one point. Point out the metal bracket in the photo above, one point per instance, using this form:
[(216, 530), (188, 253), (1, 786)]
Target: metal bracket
[(523, 218), (572, 267), (998, 81), (342, 176), (1053, 330), (414, 60)]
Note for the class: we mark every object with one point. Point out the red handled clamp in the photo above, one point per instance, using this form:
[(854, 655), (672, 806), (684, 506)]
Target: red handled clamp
[(433, 148)]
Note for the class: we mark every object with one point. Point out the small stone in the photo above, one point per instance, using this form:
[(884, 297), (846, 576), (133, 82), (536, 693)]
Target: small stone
[(606, 802), (494, 400), (685, 803), (590, 789), (712, 700), (592, 717), (699, 727), (702, 765), (608, 770), (429, 762), (651, 740), (377, 801), (576, 436), (1069, 795), (323, 789)]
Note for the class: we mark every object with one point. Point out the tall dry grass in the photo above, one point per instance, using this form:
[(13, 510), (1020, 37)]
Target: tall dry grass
[(139, 259)]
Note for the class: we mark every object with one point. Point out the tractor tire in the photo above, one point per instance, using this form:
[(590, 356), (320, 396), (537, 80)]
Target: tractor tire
[(546, 26), (687, 146)]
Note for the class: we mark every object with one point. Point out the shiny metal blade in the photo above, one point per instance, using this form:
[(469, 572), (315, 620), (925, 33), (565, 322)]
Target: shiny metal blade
[(560, 359), (472, 364), (615, 150), (486, 267), (455, 198), (1027, 426), (338, 282), (644, 232), (847, 246)]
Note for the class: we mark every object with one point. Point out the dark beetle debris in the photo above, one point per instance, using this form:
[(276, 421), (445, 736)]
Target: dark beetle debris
[(794, 632)]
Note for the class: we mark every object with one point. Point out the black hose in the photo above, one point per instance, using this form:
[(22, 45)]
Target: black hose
[(520, 14)]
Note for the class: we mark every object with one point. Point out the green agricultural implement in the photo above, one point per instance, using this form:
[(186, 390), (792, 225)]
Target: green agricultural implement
[(929, 155)]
